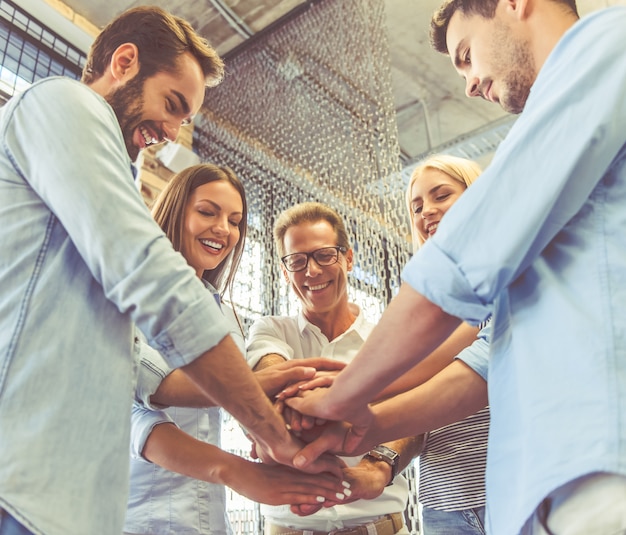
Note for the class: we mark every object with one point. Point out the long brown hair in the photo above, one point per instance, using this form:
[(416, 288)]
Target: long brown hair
[(169, 212)]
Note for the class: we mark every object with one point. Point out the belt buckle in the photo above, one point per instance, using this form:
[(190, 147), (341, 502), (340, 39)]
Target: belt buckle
[(340, 531)]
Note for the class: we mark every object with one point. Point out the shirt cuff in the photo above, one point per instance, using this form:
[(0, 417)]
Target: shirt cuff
[(143, 421), (476, 356), (153, 368), (437, 277), (200, 328)]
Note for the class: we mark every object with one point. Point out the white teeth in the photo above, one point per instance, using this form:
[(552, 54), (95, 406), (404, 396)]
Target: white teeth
[(432, 228), (319, 286), (212, 244), (146, 136)]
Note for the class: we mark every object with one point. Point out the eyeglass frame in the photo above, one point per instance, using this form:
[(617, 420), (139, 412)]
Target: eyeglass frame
[(338, 249)]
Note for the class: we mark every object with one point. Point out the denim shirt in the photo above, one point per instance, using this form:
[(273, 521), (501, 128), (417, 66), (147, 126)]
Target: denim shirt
[(82, 260), (540, 240), (162, 502)]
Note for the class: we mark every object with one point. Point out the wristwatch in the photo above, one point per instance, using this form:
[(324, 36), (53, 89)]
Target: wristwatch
[(387, 455)]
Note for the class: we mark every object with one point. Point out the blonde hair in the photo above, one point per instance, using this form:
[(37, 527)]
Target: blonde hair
[(460, 169)]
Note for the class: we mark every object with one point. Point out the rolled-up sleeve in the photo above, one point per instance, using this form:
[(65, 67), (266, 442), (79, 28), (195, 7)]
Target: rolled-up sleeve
[(90, 190), (153, 368), (476, 355), (263, 339), (529, 193), (143, 421)]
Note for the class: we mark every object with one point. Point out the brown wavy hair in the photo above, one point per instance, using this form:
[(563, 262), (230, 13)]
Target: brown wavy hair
[(169, 212)]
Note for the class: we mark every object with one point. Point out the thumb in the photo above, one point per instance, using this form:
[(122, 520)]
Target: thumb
[(312, 451), (300, 373)]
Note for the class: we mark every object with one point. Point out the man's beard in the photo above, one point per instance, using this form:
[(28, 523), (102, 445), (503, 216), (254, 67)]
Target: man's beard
[(127, 103), (515, 61)]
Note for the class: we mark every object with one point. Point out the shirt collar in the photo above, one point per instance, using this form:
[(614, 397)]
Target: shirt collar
[(358, 326)]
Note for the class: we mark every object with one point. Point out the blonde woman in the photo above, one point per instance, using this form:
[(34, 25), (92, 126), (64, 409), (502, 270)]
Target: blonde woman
[(453, 461)]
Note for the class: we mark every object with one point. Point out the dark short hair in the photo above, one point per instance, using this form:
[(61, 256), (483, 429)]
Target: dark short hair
[(484, 8), (160, 37)]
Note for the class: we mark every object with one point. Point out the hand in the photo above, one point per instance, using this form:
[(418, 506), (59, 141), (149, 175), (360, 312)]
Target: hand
[(367, 479), (295, 421), (278, 485), (335, 437), (284, 452), (320, 380), (276, 378)]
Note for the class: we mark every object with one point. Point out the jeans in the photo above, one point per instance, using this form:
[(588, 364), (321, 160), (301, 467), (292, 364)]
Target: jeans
[(10, 526), (590, 504), (465, 522)]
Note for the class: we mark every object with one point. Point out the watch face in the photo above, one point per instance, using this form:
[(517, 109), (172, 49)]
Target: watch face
[(386, 454)]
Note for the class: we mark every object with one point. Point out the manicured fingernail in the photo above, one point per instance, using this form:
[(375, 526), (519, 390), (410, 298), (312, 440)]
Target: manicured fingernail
[(320, 499), (347, 492), (340, 496), (288, 427), (346, 484)]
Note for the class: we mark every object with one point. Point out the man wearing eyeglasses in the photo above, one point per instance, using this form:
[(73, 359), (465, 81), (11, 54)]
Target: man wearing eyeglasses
[(315, 259)]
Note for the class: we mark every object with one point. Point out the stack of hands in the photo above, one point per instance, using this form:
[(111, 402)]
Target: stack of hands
[(300, 390)]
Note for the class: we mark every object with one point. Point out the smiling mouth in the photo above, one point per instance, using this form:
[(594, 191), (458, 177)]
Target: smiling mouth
[(432, 228), (212, 244), (318, 287), (147, 136)]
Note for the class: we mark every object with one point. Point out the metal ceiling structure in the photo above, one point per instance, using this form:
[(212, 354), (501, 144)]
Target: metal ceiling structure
[(433, 114)]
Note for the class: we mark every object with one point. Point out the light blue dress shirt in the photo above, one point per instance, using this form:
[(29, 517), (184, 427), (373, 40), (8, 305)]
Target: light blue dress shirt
[(82, 260), (162, 502), (540, 240)]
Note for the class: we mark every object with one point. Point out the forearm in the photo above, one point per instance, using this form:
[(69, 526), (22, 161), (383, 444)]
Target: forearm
[(269, 360), (410, 329), (224, 377), (173, 449), (178, 390), (462, 337), (407, 448), (450, 396)]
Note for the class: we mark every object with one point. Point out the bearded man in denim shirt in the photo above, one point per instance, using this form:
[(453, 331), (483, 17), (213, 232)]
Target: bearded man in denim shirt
[(82, 262)]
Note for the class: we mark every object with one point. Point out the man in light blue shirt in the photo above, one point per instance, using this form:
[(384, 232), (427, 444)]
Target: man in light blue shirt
[(539, 241), (82, 261)]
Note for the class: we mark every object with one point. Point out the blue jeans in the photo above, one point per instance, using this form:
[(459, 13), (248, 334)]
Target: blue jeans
[(10, 526), (465, 522)]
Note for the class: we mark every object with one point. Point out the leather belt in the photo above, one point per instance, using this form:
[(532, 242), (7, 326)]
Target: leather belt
[(385, 525)]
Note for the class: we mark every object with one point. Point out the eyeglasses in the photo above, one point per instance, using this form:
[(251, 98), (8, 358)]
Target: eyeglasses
[(326, 256)]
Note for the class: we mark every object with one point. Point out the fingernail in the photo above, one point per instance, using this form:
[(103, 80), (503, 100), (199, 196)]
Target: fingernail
[(288, 427), (299, 461), (347, 492), (320, 499), (340, 496), (346, 484)]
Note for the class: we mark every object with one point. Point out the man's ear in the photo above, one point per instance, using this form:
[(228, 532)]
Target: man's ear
[(285, 273), (124, 62), (519, 8), (350, 259)]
